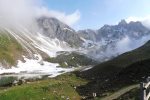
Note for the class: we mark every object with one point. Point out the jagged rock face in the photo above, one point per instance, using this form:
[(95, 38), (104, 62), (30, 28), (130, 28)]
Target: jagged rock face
[(133, 30), (88, 34), (107, 32), (105, 40), (102, 41), (53, 28)]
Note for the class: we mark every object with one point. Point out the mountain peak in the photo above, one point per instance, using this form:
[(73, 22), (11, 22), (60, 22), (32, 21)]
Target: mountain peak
[(122, 22), (136, 23)]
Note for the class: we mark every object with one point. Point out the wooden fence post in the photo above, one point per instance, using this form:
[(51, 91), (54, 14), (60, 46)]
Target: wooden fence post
[(143, 91)]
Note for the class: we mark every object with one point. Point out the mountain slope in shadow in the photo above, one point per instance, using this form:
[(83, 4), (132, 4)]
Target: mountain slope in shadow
[(126, 69)]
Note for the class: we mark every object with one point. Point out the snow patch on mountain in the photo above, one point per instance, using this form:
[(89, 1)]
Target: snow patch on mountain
[(34, 66), (68, 29), (51, 46)]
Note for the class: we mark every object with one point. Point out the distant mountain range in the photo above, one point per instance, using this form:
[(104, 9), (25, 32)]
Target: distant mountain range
[(53, 28), (101, 44), (52, 37), (108, 41), (116, 32)]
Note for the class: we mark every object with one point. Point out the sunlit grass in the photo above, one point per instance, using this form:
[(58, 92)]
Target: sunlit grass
[(10, 49), (59, 88)]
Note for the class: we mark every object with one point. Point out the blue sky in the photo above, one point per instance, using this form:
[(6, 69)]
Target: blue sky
[(96, 13)]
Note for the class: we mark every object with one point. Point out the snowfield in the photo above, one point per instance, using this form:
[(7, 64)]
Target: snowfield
[(35, 67)]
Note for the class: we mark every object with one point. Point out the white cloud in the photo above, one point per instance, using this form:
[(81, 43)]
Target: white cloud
[(25, 11), (69, 19), (16, 11), (145, 20), (133, 18)]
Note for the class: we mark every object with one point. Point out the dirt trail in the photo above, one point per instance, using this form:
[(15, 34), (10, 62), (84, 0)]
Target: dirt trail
[(120, 92)]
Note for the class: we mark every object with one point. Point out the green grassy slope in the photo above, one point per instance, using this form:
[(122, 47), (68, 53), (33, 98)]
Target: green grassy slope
[(72, 60), (59, 88), (10, 50)]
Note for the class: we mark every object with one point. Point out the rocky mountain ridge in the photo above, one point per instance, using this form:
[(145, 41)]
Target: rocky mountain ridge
[(101, 45)]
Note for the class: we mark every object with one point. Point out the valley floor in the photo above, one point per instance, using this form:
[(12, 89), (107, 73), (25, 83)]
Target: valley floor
[(60, 88)]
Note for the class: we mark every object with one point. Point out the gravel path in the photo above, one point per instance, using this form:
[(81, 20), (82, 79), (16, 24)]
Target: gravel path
[(120, 92)]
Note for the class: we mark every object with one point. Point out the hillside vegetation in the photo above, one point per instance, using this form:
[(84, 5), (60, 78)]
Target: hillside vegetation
[(60, 88), (10, 50), (74, 59)]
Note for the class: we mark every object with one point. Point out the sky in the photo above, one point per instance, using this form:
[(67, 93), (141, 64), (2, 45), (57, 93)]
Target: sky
[(79, 14), (94, 14)]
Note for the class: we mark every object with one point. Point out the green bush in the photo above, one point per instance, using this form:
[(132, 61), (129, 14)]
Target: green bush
[(6, 81)]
